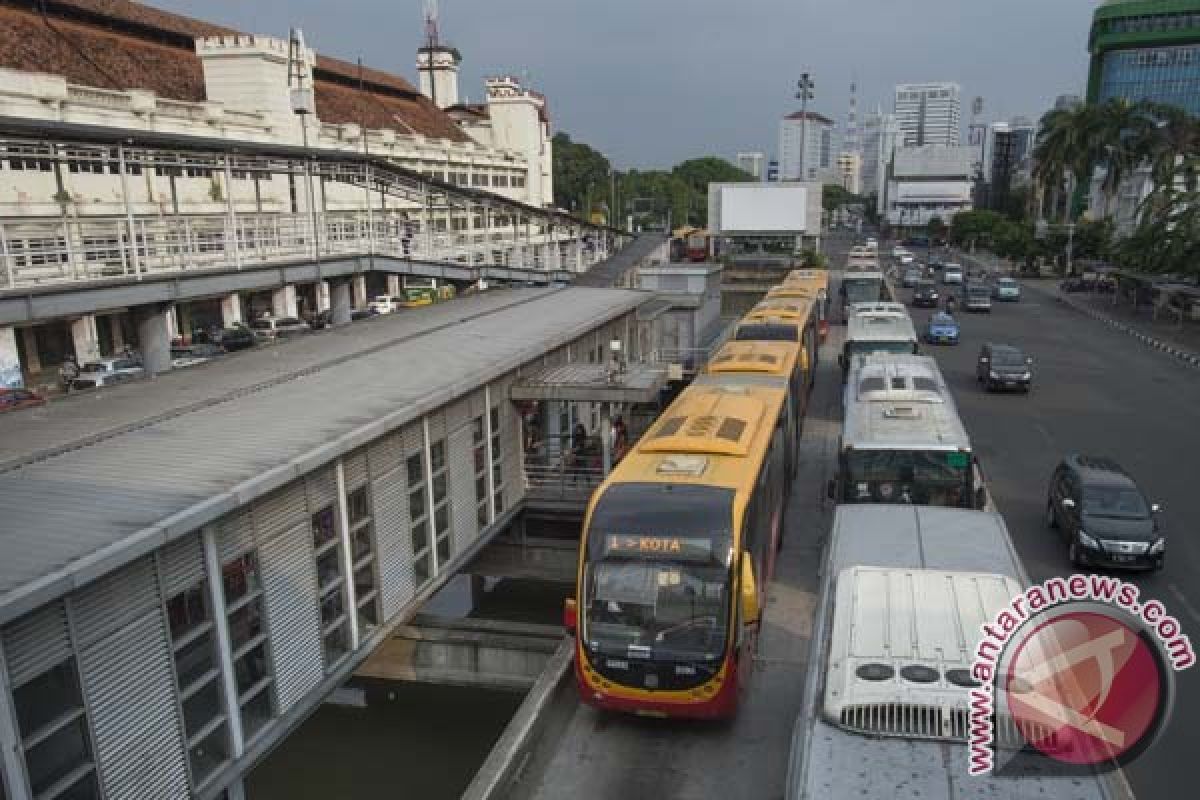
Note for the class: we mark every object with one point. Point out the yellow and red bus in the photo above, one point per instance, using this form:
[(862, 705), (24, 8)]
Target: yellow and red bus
[(678, 547), (781, 364), (816, 282), (789, 319)]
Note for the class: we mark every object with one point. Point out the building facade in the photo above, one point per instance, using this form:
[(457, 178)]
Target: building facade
[(880, 132), (1146, 50), (928, 113), (806, 145), (752, 163), (849, 166), (927, 182)]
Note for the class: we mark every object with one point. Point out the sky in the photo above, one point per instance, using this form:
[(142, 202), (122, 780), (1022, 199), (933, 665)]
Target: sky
[(650, 83)]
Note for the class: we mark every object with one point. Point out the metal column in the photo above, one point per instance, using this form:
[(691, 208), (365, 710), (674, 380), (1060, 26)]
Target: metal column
[(216, 594)]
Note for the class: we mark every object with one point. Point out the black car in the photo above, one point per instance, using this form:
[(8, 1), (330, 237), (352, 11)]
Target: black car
[(1103, 515), (1002, 366), (925, 294), (235, 338)]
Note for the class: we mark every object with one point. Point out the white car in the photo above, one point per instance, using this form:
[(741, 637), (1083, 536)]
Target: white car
[(906, 258), (278, 327), (107, 371), (952, 273), (899, 251), (385, 303)]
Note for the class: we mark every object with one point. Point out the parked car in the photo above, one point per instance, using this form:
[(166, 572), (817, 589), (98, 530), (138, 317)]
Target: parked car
[(977, 297), (238, 337), (278, 327), (191, 355), (942, 329), (386, 303), (107, 372), (1006, 289), (952, 273), (16, 399), (911, 276), (1002, 366), (1103, 515), (925, 294)]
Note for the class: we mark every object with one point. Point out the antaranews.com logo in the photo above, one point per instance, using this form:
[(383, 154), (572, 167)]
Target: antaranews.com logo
[(1077, 670)]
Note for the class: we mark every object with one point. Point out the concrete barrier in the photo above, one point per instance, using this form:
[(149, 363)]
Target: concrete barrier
[(516, 745)]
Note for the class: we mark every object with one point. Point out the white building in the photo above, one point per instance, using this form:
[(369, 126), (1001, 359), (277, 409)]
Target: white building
[(880, 133), (752, 163), (928, 113), (815, 156), (927, 182), (849, 166)]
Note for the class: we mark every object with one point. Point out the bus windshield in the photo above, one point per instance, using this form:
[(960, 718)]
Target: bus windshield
[(902, 347), (861, 290), (657, 582), (919, 477)]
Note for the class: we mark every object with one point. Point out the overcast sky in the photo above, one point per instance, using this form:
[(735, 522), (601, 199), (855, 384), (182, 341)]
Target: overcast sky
[(652, 82)]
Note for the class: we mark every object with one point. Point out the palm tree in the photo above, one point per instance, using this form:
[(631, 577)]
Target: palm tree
[(1065, 150), (1118, 144)]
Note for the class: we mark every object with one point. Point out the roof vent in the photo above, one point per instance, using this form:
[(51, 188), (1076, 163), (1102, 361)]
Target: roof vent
[(670, 427), (902, 412), (731, 429), (703, 426), (682, 465)]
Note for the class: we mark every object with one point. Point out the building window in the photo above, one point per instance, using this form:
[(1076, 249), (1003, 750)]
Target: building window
[(29, 157), (479, 443), (242, 584), (418, 514), (501, 180), (362, 554), (497, 461), (479, 179), (54, 735), (439, 475), (193, 645), (518, 181), (331, 587), (87, 161)]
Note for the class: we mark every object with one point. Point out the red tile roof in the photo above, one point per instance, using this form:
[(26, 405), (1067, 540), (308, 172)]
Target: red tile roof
[(812, 116), (117, 44)]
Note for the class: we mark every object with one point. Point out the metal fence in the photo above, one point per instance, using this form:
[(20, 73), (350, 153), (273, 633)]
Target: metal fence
[(36, 252)]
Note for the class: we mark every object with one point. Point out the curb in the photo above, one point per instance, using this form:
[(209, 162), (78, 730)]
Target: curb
[(1186, 356)]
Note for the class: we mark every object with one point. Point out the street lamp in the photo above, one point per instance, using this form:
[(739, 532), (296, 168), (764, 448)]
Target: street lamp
[(804, 93)]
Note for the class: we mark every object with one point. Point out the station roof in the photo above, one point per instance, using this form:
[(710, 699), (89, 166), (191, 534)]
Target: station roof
[(97, 480)]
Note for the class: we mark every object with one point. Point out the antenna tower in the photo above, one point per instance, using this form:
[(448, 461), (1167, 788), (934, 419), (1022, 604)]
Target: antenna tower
[(432, 39)]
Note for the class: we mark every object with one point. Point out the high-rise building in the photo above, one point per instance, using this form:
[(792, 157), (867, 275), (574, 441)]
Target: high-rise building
[(1066, 102), (752, 163), (1002, 146), (928, 113), (815, 155), (849, 164), (1146, 50)]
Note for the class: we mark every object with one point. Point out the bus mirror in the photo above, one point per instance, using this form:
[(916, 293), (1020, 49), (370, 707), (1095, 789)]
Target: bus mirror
[(750, 610), (981, 498), (570, 615)]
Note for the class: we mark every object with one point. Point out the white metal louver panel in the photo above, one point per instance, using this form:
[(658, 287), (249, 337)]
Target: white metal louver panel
[(510, 459), (392, 532), (385, 454), (413, 438), (112, 602), (354, 467), (290, 589), (36, 642), (181, 564), (462, 490), (281, 510), (130, 691), (321, 487), (437, 426), (235, 534), (457, 414)]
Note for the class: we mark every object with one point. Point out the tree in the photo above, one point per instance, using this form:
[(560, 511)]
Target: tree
[(834, 196), (581, 175), (936, 227)]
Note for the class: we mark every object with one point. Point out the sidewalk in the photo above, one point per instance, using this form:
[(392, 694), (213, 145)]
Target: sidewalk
[(1163, 334)]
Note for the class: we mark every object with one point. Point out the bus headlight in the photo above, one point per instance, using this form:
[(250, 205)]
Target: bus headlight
[(1088, 541), (1160, 544), (992, 374)]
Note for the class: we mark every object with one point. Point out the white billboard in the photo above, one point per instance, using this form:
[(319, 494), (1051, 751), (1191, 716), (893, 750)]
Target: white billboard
[(758, 208)]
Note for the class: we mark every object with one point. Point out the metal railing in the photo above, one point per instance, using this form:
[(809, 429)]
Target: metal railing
[(36, 252), (559, 467)]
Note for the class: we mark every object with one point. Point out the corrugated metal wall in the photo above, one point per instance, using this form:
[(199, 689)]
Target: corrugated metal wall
[(462, 476), (389, 490)]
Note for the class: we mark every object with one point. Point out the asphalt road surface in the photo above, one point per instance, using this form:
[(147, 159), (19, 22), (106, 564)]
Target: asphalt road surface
[(1096, 391)]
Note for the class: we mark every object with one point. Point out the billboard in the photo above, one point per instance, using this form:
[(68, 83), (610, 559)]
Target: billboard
[(933, 192), (762, 208)]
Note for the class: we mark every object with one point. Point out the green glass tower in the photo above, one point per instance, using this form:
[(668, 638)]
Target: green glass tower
[(1146, 50)]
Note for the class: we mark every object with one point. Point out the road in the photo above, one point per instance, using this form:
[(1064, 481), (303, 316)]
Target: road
[(602, 756), (1097, 391)]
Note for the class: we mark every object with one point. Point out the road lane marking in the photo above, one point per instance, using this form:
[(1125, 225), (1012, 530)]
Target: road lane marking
[(1183, 601)]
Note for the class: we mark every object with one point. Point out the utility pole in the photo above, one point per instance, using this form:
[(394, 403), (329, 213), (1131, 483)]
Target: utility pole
[(804, 93)]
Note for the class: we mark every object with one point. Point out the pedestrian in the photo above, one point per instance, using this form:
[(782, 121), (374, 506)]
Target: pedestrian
[(620, 439), (579, 437), (68, 371)]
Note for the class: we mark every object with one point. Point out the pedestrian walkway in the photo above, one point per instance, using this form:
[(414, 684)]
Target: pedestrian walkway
[(1180, 338)]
